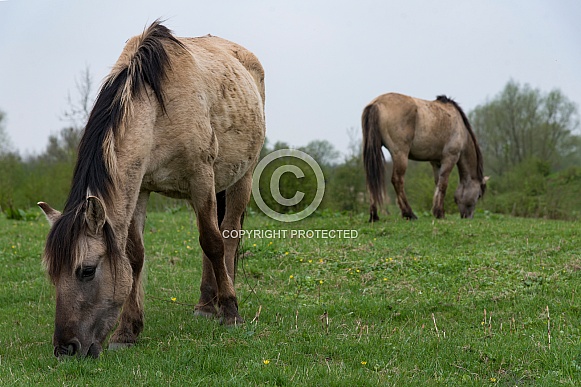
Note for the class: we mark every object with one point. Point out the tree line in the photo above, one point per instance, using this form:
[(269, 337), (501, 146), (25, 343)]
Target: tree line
[(529, 138)]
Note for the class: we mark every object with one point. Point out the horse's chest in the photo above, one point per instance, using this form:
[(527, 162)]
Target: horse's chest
[(177, 182), (168, 181)]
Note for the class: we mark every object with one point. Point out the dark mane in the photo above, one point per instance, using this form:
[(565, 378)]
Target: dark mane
[(479, 158), (93, 173)]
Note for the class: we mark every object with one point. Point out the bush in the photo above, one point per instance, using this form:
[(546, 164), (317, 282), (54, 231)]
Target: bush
[(529, 190)]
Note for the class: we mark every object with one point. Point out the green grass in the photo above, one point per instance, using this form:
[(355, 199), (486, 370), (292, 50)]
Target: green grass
[(429, 302)]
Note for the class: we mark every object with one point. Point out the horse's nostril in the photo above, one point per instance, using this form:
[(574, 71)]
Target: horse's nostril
[(69, 349)]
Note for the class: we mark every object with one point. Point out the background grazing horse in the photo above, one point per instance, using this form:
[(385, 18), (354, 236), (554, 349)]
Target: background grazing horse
[(180, 116), (435, 131)]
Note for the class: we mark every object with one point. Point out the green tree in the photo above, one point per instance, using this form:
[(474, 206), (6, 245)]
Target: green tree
[(5, 144), (523, 123), (62, 147), (322, 151), (11, 169), (346, 189)]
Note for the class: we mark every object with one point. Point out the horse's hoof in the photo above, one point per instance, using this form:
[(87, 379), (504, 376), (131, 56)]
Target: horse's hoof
[(118, 346), (204, 314), (231, 322)]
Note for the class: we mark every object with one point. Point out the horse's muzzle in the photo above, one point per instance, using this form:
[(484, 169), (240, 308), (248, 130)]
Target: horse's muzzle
[(70, 349), (73, 348)]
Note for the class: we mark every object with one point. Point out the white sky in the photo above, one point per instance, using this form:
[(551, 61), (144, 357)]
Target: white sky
[(324, 60)]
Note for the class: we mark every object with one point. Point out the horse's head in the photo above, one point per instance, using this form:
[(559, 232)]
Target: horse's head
[(91, 277), (467, 194)]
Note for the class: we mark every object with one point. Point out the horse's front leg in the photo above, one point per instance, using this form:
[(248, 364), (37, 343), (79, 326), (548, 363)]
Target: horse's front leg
[(442, 177), (237, 198), (206, 306), (131, 320), (204, 203)]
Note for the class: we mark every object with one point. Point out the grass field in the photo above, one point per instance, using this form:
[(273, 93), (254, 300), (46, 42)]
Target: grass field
[(491, 301)]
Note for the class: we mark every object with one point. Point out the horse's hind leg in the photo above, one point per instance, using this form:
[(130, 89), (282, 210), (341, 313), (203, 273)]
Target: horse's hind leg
[(204, 203), (131, 320), (397, 179)]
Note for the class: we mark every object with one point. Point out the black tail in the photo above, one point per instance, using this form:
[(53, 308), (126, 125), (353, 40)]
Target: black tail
[(373, 159)]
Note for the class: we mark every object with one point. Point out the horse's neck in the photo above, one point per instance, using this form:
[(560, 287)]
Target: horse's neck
[(120, 212), (468, 162), (131, 162)]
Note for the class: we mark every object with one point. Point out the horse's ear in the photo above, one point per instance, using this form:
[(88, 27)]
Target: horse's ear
[(95, 214), (51, 214)]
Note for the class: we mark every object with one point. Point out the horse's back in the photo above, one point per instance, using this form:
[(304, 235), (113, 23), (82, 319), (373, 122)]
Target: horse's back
[(422, 129), (215, 94)]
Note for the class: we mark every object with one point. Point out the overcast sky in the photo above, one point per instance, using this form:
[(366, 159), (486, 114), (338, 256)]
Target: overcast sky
[(324, 60)]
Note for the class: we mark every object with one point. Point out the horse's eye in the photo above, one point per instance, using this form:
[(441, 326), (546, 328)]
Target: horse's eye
[(87, 273)]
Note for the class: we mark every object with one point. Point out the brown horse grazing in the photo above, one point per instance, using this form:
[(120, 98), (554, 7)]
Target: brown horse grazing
[(435, 131), (180, 116)]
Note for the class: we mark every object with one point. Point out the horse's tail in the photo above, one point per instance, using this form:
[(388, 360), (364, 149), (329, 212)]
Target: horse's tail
[(373, 159)]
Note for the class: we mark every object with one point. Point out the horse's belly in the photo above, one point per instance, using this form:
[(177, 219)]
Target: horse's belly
[(419, 153), (226, 174)]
